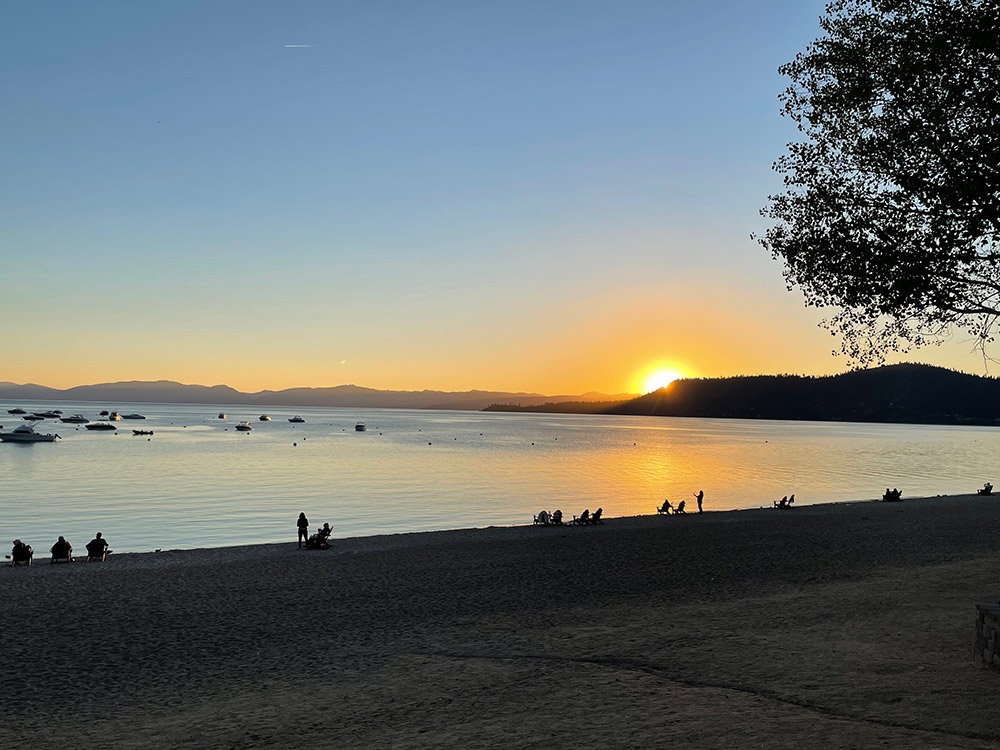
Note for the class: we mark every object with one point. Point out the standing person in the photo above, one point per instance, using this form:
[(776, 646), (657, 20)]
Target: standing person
[(699, 496), (303, 524)]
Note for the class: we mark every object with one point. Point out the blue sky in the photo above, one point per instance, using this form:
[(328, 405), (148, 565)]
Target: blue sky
[(544, 196)]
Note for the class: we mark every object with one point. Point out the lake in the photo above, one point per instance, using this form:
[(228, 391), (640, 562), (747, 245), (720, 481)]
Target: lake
[(197, 482)]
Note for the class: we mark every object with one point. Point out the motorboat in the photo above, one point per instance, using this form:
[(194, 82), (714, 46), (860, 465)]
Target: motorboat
[(264, 418), (133, 416), (360, 427), (244, 427), (296, 418), (142, 432), (105, 413), (47, 414), (16, 410), (222, 415), (100, 426), (25, 433), (32, 418), (74, 419), (115, 416)]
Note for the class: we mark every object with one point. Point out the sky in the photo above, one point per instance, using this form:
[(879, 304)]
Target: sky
[(552, 196)]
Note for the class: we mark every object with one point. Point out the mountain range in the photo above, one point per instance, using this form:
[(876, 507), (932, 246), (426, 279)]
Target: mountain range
[(170, 392)]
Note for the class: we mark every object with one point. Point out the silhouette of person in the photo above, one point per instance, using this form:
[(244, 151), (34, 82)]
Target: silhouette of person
[(699, 496), (21, 554), (557, 517), (62, 550), (97, 548), (665, 508), (680, 508), (303, 525)]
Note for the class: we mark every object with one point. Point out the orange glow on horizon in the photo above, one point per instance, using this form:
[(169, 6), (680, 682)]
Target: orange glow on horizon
[(658, 376)]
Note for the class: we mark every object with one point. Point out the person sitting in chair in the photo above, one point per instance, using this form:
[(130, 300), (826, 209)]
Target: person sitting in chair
[(666, 508), (782, 503), (986, 490), (62, 550), (97, 549), (542, 519), (557, 517), (680, 508), (596, 518), (21, 554), (583, 519)]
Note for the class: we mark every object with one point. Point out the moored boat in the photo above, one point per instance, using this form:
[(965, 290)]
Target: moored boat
[(264, 418), (222, 415), (74, 419), (25, 433), (133, 416), (16, 410), (296, 418), (244, 427), (100, 426), (115, 416), (142, 432), (360, 427), (32, 418)]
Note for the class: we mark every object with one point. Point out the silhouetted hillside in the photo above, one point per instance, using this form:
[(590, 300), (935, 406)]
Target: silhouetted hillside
[(907, 393), (169, 392)]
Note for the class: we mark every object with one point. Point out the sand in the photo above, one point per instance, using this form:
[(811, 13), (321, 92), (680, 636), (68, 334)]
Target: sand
[(837, 626)]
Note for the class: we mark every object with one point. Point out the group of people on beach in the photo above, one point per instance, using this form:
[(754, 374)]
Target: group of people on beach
[(62, 551), (786, 502), (319, 540), (555, 518), (667, 509)]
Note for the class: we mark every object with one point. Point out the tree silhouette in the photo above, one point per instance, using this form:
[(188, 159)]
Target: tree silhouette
[(891, 207)]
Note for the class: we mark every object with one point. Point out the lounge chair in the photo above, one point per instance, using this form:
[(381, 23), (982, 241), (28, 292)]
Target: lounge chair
[(22, 554), (583, 519), (986, 490), (542, 519), (596, 518), (97, 552), (666, 509), (62, 551), (680, 509)]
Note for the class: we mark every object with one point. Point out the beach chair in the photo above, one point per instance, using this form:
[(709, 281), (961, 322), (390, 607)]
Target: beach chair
[(583, 519), (596, 518), (542, 519), (679, 511), (22, 554), (665, 509), (62, 551), (97, 552)]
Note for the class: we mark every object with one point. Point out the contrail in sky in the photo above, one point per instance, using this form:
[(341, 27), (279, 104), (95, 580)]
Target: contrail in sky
[(299, 46)]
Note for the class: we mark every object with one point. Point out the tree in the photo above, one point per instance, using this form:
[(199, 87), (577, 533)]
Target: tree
[(891, 209)]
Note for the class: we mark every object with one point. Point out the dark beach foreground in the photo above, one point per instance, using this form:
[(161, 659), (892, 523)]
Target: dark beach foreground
[(836, 626)]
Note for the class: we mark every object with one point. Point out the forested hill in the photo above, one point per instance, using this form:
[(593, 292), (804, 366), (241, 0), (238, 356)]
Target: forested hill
[(908, 393)]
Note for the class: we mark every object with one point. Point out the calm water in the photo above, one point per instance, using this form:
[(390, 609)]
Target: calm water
[(197, 482)]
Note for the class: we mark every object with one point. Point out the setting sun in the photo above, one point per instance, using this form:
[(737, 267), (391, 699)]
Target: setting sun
[(659, 378)]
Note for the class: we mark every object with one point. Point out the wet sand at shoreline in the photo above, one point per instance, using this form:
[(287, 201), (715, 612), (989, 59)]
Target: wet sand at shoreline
[(842, 626)]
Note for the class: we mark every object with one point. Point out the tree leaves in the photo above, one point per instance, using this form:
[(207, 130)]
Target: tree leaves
[(891, 209)]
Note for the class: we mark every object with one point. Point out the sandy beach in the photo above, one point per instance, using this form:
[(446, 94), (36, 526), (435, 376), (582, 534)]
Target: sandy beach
[(846, 625)]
